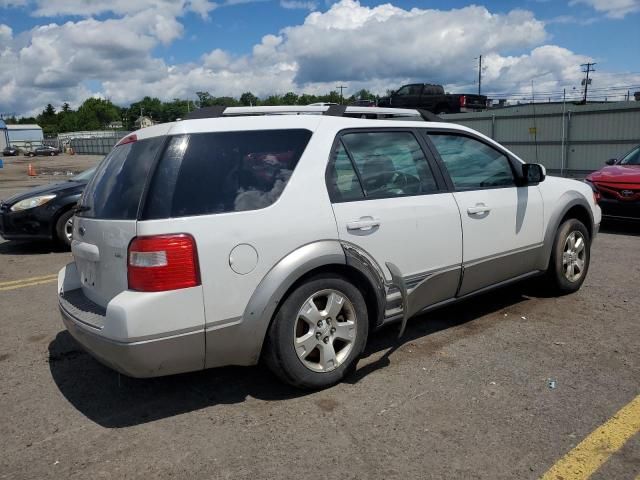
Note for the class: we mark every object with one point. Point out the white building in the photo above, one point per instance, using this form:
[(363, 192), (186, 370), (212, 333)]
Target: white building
[(20, 136)]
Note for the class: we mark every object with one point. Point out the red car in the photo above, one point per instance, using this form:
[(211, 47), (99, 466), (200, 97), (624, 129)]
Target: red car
[(618, 186)]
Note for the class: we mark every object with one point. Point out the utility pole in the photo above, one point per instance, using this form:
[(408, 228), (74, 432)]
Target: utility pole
[(588, 67), (341, 87), (479, 74)]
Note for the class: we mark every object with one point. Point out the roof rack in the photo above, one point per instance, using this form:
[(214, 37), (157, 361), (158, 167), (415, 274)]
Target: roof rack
[(217, 111)]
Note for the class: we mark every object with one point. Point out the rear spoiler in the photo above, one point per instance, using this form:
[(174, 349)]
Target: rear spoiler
[(214, 111), (429, 116)]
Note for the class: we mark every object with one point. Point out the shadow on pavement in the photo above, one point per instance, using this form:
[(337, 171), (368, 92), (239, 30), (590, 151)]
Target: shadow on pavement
[(26, 247), (620, 227), (115, 401)]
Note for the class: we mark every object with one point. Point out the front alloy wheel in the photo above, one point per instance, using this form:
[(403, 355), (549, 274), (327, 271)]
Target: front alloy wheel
[(570, 255), (573, 256)]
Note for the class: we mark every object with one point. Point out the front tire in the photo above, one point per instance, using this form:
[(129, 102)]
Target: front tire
[(570, 257), (318, 333), (64, 228)]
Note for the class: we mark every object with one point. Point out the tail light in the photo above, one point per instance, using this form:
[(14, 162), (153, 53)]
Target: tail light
[(463, 100), (163, 262)]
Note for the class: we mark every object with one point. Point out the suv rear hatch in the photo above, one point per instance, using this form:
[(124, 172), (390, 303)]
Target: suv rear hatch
[(105, 221)]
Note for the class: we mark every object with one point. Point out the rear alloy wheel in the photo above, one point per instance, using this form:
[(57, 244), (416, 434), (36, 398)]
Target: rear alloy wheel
[(64, 228), (325, 330), (318, 333), (570, 257)]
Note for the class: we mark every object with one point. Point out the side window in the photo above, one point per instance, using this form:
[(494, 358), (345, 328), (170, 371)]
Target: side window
[(632, 158), (404, 90), (471, 163), (390, 164), (343, 182)]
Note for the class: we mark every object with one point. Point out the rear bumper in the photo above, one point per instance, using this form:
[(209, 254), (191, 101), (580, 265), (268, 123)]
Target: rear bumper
[(90, 325)]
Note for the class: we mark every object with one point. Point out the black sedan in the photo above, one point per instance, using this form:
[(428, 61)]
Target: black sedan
[(43, 150), (43, 213), (10, 151)]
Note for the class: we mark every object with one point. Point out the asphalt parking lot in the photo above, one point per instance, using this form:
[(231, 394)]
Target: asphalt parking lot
[(465, 394)]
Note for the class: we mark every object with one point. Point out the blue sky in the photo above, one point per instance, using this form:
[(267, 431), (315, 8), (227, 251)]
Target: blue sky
[(212, 46)]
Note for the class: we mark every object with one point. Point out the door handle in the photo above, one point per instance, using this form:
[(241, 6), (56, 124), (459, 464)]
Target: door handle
[(364, 224), (479, 209)]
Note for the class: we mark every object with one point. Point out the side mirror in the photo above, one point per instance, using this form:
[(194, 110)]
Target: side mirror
[(533, 173), (611, 161)]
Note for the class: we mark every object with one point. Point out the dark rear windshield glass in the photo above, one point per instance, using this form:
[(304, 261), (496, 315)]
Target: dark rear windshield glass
[(220, 172), (116, 187)]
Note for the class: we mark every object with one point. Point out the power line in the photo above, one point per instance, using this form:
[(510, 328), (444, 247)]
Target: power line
[(479, 75)]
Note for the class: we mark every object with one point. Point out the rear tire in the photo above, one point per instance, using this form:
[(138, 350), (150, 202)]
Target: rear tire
[(318, 333), (570, 257), (64, 227)]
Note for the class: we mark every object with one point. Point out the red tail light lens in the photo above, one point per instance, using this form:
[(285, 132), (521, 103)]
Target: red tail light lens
[(163, 262), (463, 100)]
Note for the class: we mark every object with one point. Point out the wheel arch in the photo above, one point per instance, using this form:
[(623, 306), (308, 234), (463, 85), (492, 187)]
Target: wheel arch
[(241, 341), (64, 208), (571, 204)]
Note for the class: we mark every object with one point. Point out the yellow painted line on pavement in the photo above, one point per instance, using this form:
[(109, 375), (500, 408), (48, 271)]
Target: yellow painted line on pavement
[(589, 455), (27, 282)]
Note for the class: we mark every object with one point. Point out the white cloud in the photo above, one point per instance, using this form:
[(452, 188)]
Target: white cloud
[(611, 8), (298, 4), (367, 47), (6, 33), (51, 8)]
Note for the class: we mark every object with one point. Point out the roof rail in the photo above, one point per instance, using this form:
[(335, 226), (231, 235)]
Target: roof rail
[(214, 111), (217, 111)]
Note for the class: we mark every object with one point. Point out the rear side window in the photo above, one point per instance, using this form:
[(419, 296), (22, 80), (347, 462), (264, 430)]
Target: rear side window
[(220, 172), (390, 164), (115, 190), (472, 164)]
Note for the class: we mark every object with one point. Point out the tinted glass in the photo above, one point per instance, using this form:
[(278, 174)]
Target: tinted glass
[(82, 176), (471, 163), (390, 163), (632, 158), (208, 173), (115, 189), (343, 181)]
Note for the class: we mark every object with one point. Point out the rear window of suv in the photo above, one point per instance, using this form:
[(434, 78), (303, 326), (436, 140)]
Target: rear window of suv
[(218, 172), (115, 190)]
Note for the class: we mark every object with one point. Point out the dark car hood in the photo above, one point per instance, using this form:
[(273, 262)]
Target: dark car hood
[(62, 188), (617, 174)]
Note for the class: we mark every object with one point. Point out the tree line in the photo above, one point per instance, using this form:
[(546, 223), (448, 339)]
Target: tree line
[(98, 114)]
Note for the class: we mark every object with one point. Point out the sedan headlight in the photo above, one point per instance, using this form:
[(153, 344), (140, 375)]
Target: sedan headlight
[(32, 202)]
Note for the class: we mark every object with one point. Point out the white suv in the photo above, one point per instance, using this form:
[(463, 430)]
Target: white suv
[(287, 235)]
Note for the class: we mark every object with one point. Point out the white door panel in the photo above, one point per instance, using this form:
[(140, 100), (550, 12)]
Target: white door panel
[(417, 234), (499, 220)]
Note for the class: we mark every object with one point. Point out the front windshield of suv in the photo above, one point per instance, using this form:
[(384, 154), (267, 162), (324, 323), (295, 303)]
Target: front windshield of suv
[(632, 158), (83, 176)]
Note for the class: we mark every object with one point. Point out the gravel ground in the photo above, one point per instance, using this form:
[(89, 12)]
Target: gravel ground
[(464, 394)]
